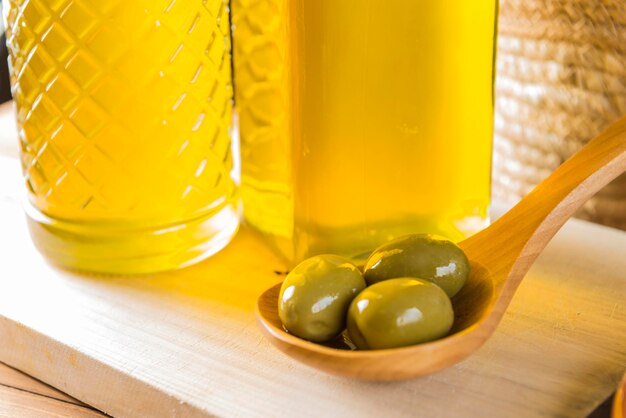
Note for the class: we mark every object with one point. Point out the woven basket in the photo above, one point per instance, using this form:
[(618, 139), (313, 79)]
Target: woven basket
[(561, 80)]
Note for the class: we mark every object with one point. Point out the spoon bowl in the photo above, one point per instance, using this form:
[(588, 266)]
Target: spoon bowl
[(500, 256)]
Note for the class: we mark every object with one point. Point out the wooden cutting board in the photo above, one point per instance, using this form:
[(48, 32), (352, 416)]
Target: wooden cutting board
[(185, 344)]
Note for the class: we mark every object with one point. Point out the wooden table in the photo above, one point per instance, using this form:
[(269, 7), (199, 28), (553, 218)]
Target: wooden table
[(186, 344), (23, 396)]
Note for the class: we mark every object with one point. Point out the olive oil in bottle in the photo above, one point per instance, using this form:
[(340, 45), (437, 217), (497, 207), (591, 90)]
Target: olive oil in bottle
[(361, 124)]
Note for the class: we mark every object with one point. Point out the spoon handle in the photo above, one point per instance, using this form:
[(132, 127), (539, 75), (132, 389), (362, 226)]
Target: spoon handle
[(512, 243)]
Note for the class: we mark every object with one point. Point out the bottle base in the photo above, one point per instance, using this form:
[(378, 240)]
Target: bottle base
[(356, 242), (109, 249)]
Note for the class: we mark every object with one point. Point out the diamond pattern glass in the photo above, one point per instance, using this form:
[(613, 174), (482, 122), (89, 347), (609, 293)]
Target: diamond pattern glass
[(124, 110)]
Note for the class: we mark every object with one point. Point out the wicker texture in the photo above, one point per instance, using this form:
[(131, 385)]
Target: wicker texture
[(561, 80)]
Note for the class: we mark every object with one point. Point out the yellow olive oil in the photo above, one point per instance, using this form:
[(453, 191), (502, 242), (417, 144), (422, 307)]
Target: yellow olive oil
[(379, 121), (124, 112)]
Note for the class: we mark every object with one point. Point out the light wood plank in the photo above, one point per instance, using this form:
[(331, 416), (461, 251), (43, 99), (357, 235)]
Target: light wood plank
[(141, 346), (15, 403), (15, 379)]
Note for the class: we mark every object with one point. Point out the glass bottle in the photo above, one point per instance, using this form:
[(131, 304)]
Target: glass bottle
[(361, 122), (124, 111)]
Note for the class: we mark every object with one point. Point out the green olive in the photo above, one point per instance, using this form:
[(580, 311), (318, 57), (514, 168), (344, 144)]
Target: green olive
[(399, 312), (315, 296), (422, 256)]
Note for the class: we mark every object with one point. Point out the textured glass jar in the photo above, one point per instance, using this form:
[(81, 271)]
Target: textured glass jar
[(124, 110)]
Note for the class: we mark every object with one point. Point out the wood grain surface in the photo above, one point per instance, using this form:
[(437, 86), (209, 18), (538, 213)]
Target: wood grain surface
[(21, 396), (185, 343)]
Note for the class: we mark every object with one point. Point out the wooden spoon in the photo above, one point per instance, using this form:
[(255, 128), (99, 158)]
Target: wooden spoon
[(499, 257)]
